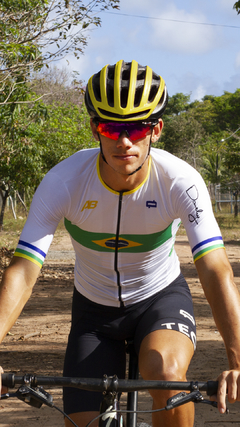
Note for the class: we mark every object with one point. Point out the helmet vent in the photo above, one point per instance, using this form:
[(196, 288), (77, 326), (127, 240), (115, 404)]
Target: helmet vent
[(110, 85), (141, 73), (126, 74), (124, 97), (96, 87), (110, 96), (124, 85), (110, 72), (126, 71), (138, 96), (153, 92)]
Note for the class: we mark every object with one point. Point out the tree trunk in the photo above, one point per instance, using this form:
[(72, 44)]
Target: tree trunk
[(4, 201), (236, 204)]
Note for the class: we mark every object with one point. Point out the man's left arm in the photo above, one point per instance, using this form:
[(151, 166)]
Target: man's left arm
[(216, 277)]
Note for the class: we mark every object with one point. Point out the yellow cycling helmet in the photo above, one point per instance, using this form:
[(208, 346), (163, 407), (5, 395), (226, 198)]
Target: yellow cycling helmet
[(126, 91)]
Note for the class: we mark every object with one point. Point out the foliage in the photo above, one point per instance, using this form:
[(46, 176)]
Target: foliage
[(56, 86), (206, 114), (183, 136), (34, 138), (177, 104), (232, 156), (237, 6), (66, 131), (34, 32), (207, 135), (34, 145), (227, 110)]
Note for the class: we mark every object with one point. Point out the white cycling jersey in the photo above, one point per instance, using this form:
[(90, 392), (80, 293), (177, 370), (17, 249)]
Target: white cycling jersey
[(124, 242)]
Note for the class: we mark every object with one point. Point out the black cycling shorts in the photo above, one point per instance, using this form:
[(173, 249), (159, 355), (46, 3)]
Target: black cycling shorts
[(96, 344)]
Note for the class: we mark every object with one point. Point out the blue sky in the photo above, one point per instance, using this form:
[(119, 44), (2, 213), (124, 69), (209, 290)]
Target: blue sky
[(198, 56)]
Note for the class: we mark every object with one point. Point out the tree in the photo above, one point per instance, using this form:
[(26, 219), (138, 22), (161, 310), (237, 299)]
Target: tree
[(204, 112), (35, 145), (237, 6), (65, 131), (58, 85), (177, 104), (18, 156), (232, 156), (227, 110), (34, 32), (183, 136)]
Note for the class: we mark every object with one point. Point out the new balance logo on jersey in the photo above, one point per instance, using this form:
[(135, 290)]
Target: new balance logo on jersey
[(151, 204), (90, 204)]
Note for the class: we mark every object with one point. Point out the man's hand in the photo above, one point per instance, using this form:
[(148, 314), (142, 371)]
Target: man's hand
[(216, 277), (228, 386)]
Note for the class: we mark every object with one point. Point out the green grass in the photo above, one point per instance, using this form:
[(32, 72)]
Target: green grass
[(11, 231), (230, 228)]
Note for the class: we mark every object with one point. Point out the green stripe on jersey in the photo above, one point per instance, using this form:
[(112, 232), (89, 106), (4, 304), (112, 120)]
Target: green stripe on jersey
[(206, 250), (28, 255), (106, 242)]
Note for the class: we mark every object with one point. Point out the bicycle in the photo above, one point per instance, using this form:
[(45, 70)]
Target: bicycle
[(111, 415)]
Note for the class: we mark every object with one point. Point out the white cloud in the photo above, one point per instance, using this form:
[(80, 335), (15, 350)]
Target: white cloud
[(237, 61), (182, 37), (140, 7), (196, 84), (198, 93)]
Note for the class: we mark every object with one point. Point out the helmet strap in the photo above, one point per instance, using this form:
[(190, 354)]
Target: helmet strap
[(101, 150)]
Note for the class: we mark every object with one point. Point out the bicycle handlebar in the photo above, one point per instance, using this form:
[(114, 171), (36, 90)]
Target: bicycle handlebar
[(107, 384)]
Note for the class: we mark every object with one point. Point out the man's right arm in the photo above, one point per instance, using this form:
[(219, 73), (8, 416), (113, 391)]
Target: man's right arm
[(15, 290)]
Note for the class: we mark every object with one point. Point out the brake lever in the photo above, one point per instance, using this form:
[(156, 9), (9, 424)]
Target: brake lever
[(183, 397), (32, 396), (214, 404)]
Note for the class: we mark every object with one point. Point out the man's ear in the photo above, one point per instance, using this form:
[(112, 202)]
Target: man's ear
[(94, 130), (157, 130)]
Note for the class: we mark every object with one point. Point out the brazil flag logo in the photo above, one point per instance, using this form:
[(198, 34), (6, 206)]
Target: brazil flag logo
[(113, 243)]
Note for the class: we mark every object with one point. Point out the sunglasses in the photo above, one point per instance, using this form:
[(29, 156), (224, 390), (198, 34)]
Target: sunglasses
[(134, 131)]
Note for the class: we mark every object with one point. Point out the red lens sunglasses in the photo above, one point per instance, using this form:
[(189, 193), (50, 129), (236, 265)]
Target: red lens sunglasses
[(133, 130)]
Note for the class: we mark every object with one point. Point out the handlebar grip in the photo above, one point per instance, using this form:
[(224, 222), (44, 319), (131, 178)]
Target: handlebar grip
[(212, 387), (8, 380)]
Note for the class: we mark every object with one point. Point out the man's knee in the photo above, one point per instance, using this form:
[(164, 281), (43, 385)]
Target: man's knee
[(163, 367), (165, 356)]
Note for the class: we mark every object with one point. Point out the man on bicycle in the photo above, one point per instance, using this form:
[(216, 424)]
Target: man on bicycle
[(122, 205)]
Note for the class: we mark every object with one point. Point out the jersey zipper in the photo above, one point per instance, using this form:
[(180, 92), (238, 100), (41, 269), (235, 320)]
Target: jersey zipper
[(116, 249)]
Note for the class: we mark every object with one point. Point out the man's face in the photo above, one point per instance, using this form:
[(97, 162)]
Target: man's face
[(125, 154)]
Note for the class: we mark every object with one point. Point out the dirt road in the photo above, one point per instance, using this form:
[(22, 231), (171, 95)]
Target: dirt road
[(37, 342)]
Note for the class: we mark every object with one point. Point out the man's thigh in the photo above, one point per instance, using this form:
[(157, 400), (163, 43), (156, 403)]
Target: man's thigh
[(171, 311), (90, 356)]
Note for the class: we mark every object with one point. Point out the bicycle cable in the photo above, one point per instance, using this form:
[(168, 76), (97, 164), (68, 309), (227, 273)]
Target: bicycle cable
[(65, 415)]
